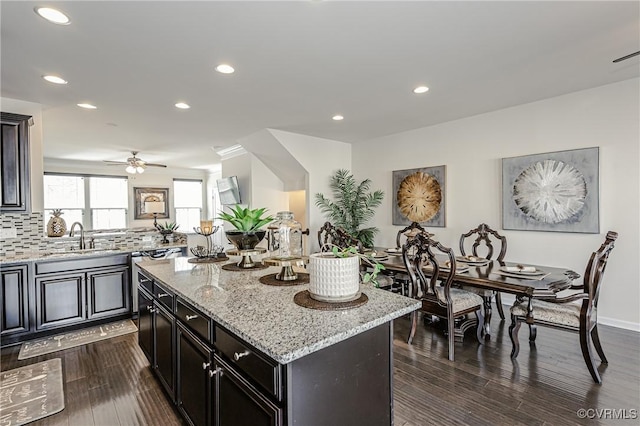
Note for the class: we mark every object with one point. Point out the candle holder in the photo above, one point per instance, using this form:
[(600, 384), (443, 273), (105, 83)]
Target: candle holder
[(210, 253)]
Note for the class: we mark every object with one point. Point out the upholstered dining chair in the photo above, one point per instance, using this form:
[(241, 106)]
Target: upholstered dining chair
[(330, 234), (437, 296), (563, 312), (409, 232), (484, 235)]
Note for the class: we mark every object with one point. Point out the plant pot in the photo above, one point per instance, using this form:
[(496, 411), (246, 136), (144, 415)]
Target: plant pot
[(245, 240), (334, 279)]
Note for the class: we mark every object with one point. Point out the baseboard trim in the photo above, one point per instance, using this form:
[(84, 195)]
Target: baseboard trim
[(508, 299)]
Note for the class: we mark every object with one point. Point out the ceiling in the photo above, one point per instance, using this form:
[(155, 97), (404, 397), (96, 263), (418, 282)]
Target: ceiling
[(297, 64)]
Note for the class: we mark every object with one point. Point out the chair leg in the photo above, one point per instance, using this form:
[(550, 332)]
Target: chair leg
[(451, 337), (596, 344), (585, 345), (533, 332), (513, 334), (414, 324), (499, 305), (487, 314), (480, 329)]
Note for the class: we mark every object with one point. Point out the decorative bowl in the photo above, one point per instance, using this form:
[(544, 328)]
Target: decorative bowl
[(245, 240)]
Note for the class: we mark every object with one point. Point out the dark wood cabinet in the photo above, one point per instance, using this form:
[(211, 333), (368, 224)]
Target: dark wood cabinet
[(145, 324), (194, 378), (14, 300), (109, 292), (60, 300), (14, 164), (164, 328), (238, 402)]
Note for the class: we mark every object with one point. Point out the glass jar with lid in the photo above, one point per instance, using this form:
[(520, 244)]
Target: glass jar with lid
[(285, 236)]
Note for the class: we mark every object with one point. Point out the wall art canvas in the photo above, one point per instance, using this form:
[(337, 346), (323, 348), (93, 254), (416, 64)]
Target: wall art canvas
[(150, 194), (556, 191), (419, 196)]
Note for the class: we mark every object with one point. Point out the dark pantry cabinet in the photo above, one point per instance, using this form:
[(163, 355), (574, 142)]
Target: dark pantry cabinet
[(14, 299), (14, 163)]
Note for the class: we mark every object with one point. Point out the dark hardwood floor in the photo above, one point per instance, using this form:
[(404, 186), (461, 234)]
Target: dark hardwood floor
[(109, 382)]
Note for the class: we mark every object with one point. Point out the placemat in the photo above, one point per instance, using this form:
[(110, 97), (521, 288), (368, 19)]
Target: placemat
[(303, 278), (31, 392), (236, 268), (305, 300), (75, 338)]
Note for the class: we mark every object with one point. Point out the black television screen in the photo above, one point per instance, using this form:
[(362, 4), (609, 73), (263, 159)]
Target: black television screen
[(228, 190)]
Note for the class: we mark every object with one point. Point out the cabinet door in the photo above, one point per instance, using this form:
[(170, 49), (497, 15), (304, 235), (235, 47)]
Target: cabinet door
[(14, 300), (238, 403), (164, 338), (14, 162), (145, 325), (60, 300), (109, 293), (193, 390)]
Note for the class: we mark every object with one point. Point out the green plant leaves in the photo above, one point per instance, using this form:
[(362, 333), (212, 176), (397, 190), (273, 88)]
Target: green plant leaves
[(245, 219)]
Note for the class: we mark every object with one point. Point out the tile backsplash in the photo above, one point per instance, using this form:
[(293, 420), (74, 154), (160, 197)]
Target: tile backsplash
[(30, 236)]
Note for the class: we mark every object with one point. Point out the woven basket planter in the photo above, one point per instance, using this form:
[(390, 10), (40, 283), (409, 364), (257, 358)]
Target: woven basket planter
[(334, 279)]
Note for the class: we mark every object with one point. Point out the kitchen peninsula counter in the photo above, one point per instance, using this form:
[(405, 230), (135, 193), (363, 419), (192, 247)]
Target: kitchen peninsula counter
[(266, 316)]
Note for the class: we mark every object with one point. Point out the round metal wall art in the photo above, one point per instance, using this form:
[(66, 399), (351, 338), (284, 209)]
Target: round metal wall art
[(550, 191), (419, 197)]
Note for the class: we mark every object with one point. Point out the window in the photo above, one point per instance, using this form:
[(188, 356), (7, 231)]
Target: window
[(97, 202), (188, 203)]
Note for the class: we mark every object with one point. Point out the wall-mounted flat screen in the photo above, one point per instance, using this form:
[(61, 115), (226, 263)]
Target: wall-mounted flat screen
[(228, 190)]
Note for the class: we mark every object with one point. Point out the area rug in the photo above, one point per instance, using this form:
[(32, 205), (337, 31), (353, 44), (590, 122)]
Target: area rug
[(75, 338), (31, 392)]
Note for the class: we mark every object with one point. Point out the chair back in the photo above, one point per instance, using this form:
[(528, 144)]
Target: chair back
[(595, 269), (409, 232), (482, 235), (330, 234), (419, 252)]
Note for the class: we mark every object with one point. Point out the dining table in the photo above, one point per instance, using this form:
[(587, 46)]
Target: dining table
[(502, 276)]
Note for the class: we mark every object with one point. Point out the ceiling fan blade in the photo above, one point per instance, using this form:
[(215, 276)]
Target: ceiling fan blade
[(115, 162), (155, 165), (630, 55)]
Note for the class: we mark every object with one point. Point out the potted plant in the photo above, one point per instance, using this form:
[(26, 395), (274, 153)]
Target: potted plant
[(166, 230), (334, 276), (353, 206), (247, 223)]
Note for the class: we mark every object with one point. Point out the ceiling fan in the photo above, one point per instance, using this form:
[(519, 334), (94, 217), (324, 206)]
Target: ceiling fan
[(135, 164)]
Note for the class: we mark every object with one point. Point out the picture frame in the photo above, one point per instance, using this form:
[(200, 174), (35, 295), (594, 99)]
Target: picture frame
[(142, 194), (437, 177), (554, 191)]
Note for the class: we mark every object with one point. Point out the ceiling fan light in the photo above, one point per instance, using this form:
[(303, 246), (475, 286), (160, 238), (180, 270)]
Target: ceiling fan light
[(140, 169), (130, 169)]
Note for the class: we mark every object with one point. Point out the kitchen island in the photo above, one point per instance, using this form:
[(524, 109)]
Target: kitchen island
[(262, 358)]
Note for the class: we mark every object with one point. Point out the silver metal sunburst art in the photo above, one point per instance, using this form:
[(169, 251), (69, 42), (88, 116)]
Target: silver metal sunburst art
[(550, 191)]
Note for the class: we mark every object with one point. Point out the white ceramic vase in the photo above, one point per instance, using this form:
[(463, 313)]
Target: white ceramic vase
[(334, 279)]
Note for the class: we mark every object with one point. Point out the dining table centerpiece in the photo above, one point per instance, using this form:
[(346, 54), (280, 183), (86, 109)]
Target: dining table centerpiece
[(247, 223)]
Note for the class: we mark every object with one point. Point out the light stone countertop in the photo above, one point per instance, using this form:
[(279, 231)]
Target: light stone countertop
[(266, 316), (40, 255)]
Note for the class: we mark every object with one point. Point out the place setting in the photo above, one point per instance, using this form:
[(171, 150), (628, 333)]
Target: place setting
[(472, 260), (522, 272)]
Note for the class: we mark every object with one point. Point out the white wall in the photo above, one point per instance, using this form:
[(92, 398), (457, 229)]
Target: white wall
[(472, 148), (321, 158), (35, 145)]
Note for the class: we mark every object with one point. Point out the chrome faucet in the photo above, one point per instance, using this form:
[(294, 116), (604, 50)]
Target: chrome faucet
[(81, 233)]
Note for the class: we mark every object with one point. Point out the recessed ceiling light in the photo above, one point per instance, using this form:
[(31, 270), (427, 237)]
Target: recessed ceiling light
[(337, 117), (182, 105), (87, 106), (225, 69), (54, 79), (53, 15), (421, 89)]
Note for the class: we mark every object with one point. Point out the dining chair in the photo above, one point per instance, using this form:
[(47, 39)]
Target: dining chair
[(329, 234), (435, 292), (564, 313), (484, 235), (409, 232)]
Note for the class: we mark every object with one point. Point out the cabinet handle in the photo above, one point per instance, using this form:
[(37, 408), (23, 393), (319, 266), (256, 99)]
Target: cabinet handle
[(239, 355), (151, 309), (212, 373), (205, 365), (164, 295), (190, 317)]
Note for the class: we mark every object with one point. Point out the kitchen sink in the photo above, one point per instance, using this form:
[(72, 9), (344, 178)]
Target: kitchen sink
[(78, 252)]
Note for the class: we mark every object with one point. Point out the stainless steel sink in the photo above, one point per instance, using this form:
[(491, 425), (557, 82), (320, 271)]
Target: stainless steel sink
[(78, 252)]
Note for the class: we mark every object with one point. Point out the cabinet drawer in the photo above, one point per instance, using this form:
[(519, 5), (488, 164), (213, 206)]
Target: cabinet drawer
[(55, 266), (165, 297), (194, 320), (145, 282), (262, 370)]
